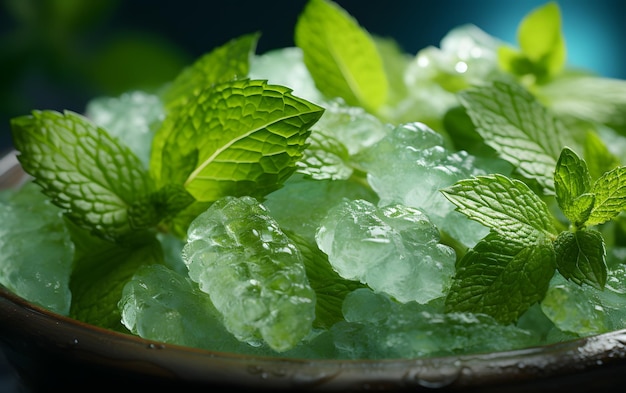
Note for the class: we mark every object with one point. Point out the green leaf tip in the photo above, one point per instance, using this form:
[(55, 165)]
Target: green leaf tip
[(341, 56)]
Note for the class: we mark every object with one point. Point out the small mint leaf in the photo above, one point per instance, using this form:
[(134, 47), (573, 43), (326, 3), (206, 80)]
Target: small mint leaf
[(571, 181), (507, 206), (243, 137), (82, 168), (580, 257), (610, 194), (520, 129), (502, 278), (341, 56)]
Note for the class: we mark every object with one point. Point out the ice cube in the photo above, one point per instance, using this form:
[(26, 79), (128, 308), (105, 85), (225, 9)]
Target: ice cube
[(393, 249), (410, 166), (252, 271), (377, 327), (163, 305), (36, 252), (132, 117)]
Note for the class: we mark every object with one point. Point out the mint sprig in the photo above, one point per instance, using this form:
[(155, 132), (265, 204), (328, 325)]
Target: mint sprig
[(509, 270)]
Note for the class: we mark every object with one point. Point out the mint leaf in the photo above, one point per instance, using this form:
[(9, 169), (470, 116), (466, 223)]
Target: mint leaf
[(580, 257), (572, 183), (507, 206), (341, 56), (589, 98), (227, 62), (542, 44), (502, 278), (518, 127), (241, 137), (610, 195), (83, 169)]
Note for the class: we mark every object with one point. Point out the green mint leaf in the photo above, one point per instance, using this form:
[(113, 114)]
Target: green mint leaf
[(597, 155), (610, 194), (542, 45), (518, 127), (227, 62), (502, 278), (241, 137), (580, 257), (572, 182), (540, 38), (593, 99), (83, 169), (507, 206), (341, 56)]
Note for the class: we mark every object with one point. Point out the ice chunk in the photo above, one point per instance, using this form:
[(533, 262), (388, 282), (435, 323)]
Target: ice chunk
[(376, 327), (252, 271), (302, 203), (410, 166), (585, 310), (132, 117), (394, 249), (161, 304), (36, 252), (285, 66), (352, 126)]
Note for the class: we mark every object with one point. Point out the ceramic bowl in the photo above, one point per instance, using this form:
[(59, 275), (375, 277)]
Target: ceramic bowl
[(51, 351)]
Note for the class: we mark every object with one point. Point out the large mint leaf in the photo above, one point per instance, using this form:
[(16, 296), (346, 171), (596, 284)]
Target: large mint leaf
[(341, 56), (519, 128), (227, 62), (241, 137), (572, 182), (501, 277), (507, 206), (610, 195), (82, 169), (589, 98), (580, 257)]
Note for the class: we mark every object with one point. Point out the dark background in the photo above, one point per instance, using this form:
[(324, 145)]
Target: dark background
[(57, 54)]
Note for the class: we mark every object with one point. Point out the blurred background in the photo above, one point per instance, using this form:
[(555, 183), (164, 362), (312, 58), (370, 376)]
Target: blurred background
[(58, 54)]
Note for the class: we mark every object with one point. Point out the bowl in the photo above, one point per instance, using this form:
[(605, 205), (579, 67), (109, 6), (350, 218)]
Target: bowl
[(50, 351)]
